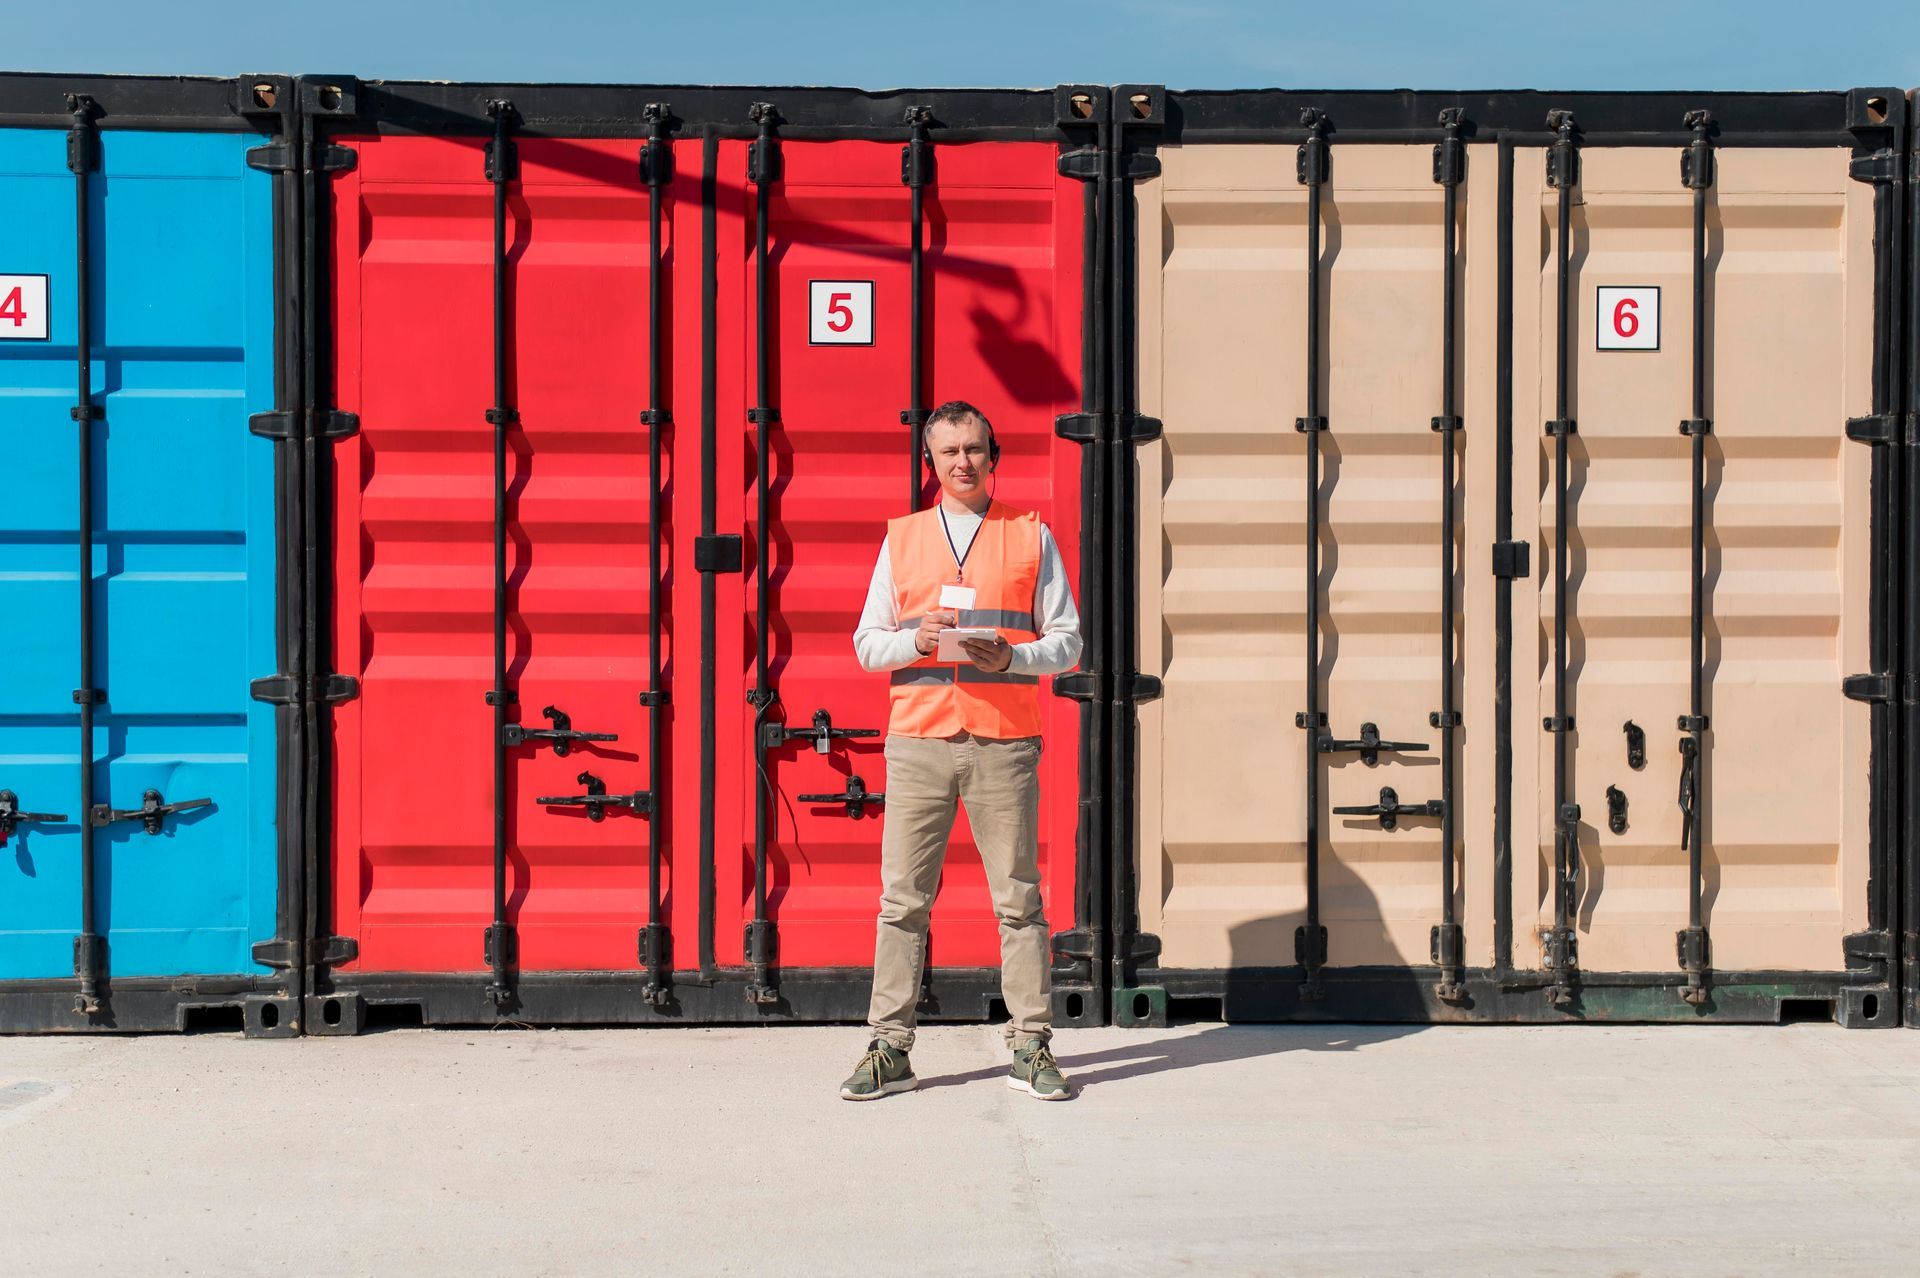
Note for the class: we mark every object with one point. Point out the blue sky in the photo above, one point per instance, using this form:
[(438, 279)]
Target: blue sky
[(1629, 44)]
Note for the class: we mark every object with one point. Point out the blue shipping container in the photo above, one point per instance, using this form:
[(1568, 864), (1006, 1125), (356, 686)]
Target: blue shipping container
[(183, 551)]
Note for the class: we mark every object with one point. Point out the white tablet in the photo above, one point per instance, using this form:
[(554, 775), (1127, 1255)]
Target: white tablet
[(950, 649)]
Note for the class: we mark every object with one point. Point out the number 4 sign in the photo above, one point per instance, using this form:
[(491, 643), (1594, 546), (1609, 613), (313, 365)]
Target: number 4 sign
[(23, 308), (840, 312), (1628, 319)]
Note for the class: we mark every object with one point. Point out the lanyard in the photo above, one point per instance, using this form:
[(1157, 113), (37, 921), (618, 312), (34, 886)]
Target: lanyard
[(960, 556)]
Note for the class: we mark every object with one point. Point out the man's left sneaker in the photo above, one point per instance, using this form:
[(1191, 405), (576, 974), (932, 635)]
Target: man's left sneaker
[(1036, 1073)]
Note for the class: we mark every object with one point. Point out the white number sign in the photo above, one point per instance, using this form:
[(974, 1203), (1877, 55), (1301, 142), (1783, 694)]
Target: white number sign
[(840, 312), (23, 308), (1628, 318)]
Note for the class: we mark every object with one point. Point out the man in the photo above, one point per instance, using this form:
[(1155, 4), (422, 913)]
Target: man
[(964, 732)]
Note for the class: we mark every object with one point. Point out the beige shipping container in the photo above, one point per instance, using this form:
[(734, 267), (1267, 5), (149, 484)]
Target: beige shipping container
[(1794, 255)]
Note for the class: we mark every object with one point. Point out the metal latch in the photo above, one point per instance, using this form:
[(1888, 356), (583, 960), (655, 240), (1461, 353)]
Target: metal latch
[(596, 800), (1617, 811), (1636, 745), (856, 797), (1510, 559), (11, 817), (1368, 746), (152, 811), (561, 733), (1390, 809), (822, 733)]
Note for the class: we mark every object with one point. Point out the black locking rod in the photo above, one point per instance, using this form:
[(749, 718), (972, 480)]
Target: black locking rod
[(916, 170), (500, 947), (656, 165), (1563, 171), (1696, 171), (1449, 169), (763, 169), (1310, 940), (83, 149)]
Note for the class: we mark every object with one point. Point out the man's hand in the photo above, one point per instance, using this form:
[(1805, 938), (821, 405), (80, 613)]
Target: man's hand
[(993, 655), (927, 638)]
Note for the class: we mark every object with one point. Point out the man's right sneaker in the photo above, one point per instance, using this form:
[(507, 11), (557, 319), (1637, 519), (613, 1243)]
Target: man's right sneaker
[(883, 1071)]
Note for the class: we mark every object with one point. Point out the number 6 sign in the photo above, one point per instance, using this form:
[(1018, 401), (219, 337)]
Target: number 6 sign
[(840, 312), (1627, 319)]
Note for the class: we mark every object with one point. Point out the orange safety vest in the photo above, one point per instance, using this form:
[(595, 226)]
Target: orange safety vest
[(935, 699)]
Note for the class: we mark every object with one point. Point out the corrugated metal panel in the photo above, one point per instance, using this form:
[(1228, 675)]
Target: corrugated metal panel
[(413, 572), (1002, 273), (1223, 568), (1790, 306), (184, 540)]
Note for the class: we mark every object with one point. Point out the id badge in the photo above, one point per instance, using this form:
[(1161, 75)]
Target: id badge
[(957, 597)]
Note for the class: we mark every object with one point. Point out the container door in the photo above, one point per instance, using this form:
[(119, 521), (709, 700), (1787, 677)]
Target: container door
[(412, 844), (183, 554), (1784, 782), (1223, 331), (1002, 287)]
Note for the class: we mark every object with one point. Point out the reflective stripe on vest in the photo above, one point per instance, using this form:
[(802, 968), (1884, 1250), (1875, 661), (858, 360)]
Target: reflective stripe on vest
[(936, 699)]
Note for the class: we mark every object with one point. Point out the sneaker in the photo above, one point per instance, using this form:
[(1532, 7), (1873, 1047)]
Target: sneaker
[(1036, 1073), (883, 1071)]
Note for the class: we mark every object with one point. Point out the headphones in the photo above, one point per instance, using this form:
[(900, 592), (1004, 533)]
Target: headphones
[(960, 408)]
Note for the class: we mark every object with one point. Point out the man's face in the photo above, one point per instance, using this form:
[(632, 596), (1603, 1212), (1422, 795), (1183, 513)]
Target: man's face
[(960, 455)]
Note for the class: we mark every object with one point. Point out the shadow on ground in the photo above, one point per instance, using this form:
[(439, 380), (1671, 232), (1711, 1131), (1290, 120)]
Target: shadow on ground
[(1217, 1045)]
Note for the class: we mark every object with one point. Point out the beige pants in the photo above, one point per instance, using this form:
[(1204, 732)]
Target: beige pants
[(999, 781)]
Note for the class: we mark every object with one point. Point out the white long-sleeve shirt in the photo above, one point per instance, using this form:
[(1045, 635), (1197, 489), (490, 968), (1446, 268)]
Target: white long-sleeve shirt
[(882, 645)]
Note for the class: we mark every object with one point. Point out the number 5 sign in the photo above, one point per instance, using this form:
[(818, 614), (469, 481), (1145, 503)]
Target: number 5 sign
[(23, 308), (840, 312), (1628, 319)]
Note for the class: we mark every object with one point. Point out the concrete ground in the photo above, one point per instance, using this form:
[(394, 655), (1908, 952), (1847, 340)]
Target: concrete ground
[(1204, 1149)]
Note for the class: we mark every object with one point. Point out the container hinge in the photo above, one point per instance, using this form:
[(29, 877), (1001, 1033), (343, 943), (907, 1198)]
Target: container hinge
[(1142, 687), (1141, 429), (83, 143), (1884, 428), (1081, 428), (1880, 167), (275, 157), (1082, 163), (275, 953), (282, 690), (328, 424), (279, 952), (1867, 945), (763, 153), (1076, 944), (717, 552), (1511, 560), (1081, 685), (1875, 688), (1136, 166), (278, 157)]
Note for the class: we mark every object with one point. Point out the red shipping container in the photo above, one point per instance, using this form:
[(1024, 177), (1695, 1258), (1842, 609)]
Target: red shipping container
[(410, 851)]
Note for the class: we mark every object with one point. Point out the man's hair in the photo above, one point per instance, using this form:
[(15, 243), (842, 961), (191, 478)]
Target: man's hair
[(956, 412)]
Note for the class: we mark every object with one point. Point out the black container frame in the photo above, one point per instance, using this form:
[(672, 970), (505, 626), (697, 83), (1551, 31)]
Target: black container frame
[(1863, 988), (345, 1002), (262, 1005)]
